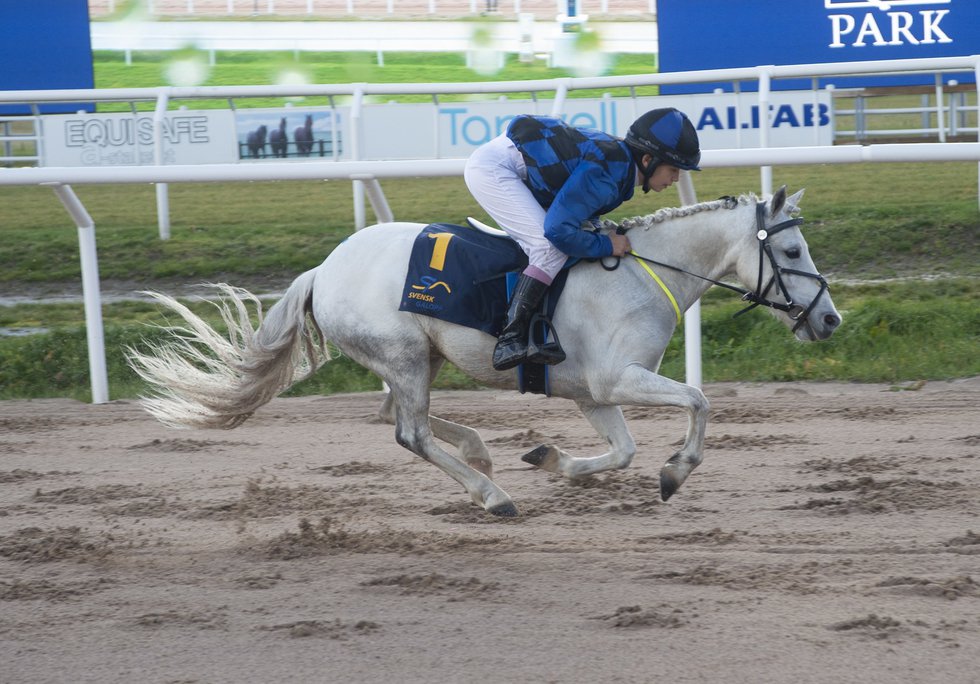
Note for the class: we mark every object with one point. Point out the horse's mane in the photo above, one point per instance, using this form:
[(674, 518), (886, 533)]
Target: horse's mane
[(670, 213)]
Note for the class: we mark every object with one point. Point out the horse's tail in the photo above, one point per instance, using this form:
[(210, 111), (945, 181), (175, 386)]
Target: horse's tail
[(201, 379)]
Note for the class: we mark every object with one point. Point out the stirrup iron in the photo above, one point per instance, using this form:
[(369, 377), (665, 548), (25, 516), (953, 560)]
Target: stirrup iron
[(547, 353)]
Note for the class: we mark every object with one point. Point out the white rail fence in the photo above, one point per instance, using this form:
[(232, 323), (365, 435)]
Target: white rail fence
[(365, 174)]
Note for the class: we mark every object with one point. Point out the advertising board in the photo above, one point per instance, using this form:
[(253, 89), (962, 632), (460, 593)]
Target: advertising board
[(407, 131), (189, 137), (698, 35), (45, 44)]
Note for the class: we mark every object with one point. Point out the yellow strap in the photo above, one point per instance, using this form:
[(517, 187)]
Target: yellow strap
[(646, 267)]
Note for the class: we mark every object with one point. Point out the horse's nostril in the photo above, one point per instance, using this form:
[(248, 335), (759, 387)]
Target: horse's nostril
[(831, 320)]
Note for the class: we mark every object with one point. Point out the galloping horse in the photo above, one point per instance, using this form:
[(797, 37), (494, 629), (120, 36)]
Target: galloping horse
[(303, 135), (278, 140), (256, 142), (614, 325)]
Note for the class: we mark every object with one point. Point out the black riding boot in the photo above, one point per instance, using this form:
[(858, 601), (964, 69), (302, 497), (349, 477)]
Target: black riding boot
[(511, 349)]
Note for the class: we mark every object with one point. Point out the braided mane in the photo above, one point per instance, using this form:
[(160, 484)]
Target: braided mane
[(670, 213)]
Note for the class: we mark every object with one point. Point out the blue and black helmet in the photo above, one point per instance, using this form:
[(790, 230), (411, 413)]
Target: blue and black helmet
[(669, 136)]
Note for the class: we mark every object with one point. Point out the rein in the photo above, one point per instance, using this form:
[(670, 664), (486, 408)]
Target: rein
[(755, 298)]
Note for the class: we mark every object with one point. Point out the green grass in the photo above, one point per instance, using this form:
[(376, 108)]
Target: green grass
[(149, 68), (893, 332), (863, 221)]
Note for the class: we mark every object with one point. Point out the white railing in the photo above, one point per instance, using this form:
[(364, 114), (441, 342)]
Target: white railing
[(365, 174)]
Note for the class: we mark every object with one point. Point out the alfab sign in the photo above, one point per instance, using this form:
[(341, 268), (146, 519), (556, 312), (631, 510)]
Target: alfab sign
[(713, 34)]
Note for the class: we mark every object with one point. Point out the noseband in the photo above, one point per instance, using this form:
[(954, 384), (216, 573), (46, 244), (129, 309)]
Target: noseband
[(759, 297)]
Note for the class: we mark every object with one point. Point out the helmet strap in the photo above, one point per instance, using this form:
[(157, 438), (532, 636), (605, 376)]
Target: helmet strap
[(648, 172)]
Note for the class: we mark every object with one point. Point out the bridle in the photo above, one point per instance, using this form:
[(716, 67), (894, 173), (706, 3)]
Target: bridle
[(758, 297)]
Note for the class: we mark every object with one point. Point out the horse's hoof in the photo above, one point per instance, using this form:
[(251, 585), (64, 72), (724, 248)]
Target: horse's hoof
[(536, 456), (671, 477), (546, 457), (504, 510), (668, 485)]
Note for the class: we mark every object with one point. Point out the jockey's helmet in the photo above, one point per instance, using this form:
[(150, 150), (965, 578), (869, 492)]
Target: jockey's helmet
[(668, 136)]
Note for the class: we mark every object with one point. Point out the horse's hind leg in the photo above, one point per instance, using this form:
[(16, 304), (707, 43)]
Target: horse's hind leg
[(472, 449), (410, 397)]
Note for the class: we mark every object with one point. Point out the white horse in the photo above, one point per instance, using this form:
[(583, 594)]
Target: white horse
[(614, 327)]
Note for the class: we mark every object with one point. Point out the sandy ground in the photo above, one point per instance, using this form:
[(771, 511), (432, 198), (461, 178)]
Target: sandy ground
[(831, 535)]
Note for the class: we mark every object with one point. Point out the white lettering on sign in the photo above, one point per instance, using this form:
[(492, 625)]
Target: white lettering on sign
[(885, 27), (883, 5)]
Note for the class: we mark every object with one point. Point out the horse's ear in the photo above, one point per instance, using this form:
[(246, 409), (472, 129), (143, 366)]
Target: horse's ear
[(793, 201), (777, 201)]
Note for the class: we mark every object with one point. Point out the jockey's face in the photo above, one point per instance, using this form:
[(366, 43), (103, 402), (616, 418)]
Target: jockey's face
[(664, 176)]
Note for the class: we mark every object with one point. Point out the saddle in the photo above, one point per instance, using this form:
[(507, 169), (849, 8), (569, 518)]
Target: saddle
[(459, 274)]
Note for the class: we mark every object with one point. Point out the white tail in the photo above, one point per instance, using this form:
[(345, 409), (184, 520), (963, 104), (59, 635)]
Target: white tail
[(204, 380)]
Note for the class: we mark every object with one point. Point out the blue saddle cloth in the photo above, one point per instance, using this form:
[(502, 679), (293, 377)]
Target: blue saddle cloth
[(462, 275), (458, 274)]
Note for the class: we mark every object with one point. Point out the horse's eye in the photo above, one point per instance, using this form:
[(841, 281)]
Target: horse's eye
[(793, 252)]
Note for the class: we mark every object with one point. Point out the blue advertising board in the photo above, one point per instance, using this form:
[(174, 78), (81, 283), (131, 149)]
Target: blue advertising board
[(697, 35), (45, 45)]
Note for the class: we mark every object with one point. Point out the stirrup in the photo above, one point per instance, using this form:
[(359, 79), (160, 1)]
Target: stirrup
[(547, 353), (517, 357)]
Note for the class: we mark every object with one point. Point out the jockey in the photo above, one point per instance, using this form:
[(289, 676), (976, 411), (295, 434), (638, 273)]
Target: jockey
[(543, 181)]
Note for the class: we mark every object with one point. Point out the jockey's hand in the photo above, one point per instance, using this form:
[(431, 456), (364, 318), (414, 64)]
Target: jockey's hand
[(620, 244)]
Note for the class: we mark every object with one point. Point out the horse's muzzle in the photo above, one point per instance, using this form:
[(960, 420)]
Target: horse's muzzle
[(818, 326)]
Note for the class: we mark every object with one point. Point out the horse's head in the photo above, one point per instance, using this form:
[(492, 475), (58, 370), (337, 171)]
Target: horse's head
[(778, 270)]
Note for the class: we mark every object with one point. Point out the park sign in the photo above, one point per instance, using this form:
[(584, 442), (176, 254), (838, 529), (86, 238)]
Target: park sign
[(696, 35)]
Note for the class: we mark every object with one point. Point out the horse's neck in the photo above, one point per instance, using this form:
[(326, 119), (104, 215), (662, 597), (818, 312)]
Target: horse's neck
[(701, 243)]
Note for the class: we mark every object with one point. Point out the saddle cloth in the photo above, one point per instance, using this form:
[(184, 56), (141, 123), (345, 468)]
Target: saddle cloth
[(459, 274)]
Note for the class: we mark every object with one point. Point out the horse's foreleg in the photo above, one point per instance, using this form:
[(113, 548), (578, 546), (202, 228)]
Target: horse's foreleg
[(638, 386), (608, 421)]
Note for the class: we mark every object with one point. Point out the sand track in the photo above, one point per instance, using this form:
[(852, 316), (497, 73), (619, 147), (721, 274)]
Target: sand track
[(831, 535)]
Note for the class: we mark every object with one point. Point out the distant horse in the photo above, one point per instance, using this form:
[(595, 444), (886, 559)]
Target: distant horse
[(614, 326), (256, 142), (303, 135), (278, 140)]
